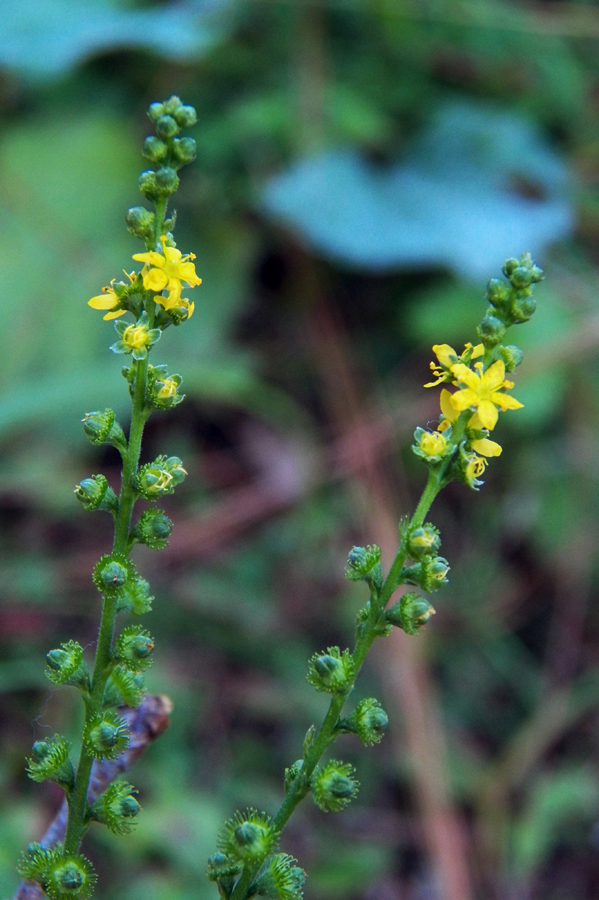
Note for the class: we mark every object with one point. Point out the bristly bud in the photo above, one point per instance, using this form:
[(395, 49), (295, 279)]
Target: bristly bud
[(117, 808), (282, 879), (166, 127), (184, 151), (370, 721), (95, 493), (292, 772), (61, 875), (123, 688), (334, 786), (332, 671), (511, 355), (50, 762), (430, 574), (107, 735), (66, 666), (423, 541), (134, 648), (364, 563), (221, 866), (410, 613), (111, 572), (185, 116), (491, 330), (140, 222), (248, 837), (153, 529), (101, 428), (155, 150), (160, 477), (163, 389), (135, 597)]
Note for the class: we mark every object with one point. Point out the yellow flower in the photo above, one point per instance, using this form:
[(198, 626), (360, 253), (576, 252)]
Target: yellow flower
[(433, 444), (482, 391), (451, 414), (135, 336), (448, 357), (167, 270), (168, 389), (474, 468), (486, 447), (483, 445), (107, 300)]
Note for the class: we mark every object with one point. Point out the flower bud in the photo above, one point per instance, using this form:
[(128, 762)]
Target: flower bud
[(172, 105), (522, 307), (111, 572), (163, 389), (135, 597), (51, 762), (491, 330), (247, 837), (107, 735), (365, 563), (281, 880), (423, 541), (155, 111), (66, 666), (509, 266), (166, 127), (185, 116), (498, 293), (511, 355), (123, 688), (430, 574), (140, 221), (134, 648), (167, 181), (369, 721), (332, 671), (154, 149), (184, 150), (135, 339), (429, 446), (156, 479), (147, 184), (410, 613), (221, 866), (334, 786), (153, 529), (101, 428), (35, 862), (94, 493), (69, 876), (116, 808)]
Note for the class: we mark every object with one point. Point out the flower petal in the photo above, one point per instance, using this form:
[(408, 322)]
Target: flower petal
[(486, 447), (447, 408), (505, 401), (466, 376), (103, 301), (487, 413), (477, 351), (187, 272), (445, 354), (494, 375), (463, 399), (114, 314), (155, 280)]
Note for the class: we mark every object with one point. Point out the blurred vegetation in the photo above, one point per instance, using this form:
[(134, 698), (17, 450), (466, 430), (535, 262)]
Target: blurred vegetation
[(299, 310)]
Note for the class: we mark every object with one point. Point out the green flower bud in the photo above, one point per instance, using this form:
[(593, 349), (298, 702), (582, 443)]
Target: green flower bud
[(221, 866), (371, 721), (184, 150), (135, 597), (147, 184), (140, 222), (292, 772), (111, 572), (332, 671), (364, 563), (185, 116), (35, 862), (69, 876), (101, 428), (134, 648), (107, 735), (51, 762), (163, 389), (522, 307), (511, 355), (116, 808), (155, 111), (509, 266), (172, 105), (410, 613), (66, 666), (248, 837), (155, 150), (160, 477), (334, 786), (166, 127), (521, 277), (430, 574), (491, 330), (153, 529), (167, 181), (95, 493), (123, 688), (281, 880), (423, 541), (498, 293)]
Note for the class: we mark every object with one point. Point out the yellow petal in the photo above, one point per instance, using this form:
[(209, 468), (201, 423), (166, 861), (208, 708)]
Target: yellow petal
[(172, 254), (435, 383), (114, 314), (187, 272), (445, 354), (447, 408), (155, 280), (493, 377), (486, 447), (475, 422), (190, 310), (467, 376), (103, 301), (463, 399), (477, 351), (488, 415), (505, 401)]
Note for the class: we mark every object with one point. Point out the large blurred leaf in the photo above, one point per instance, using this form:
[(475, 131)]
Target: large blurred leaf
[(47, 37), (478, 186)]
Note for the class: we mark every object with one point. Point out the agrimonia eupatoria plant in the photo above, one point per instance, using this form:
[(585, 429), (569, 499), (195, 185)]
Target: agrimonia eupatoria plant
[(153, 297), (246, 862)]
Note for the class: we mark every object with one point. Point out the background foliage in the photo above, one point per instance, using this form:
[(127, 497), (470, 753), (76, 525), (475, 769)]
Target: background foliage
[(363, 168)]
